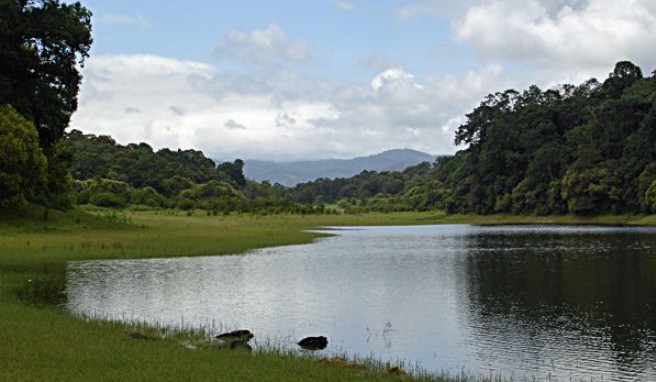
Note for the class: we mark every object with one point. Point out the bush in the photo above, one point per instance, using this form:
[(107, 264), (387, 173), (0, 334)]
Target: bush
[(107, 199), (148, 196)]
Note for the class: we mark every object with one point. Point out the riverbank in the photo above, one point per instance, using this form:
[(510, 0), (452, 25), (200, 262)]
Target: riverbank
[(43, 342)]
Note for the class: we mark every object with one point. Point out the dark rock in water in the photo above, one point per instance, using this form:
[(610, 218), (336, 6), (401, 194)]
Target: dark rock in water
[(237, 339), (313, 343), (240, 335)]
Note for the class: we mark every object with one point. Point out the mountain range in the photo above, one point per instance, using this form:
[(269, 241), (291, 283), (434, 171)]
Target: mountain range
[(291, 173)]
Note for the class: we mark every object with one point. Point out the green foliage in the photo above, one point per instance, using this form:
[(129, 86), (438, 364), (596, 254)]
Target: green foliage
[(377, 191), (212, 196), (43, 41), (586, 149), (148, 196), (104, 192), (58, 192), (43, 45), (22, 164), (167, 172)]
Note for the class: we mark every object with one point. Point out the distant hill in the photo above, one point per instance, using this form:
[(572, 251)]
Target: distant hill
[(292, 173)]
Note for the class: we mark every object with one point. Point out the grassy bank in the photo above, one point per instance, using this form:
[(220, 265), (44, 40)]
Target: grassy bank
[(41, 342)]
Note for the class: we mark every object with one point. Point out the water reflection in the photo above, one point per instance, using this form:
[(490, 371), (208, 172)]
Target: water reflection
[(569, 303), (578, 303)]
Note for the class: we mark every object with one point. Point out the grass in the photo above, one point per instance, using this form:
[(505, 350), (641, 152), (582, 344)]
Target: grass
[(39, 341)]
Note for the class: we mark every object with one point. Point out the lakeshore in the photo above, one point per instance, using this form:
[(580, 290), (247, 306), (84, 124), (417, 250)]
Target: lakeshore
[(40, 336)]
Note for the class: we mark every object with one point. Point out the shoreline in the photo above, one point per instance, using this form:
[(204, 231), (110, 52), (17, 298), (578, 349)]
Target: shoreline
[(33, 275)]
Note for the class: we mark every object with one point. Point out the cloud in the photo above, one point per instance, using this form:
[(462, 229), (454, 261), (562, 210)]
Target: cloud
[(124, 19), (177, 110), (576, 38), (344, 5), (264, 47), (281, 115), (562, 34), (231, 124)]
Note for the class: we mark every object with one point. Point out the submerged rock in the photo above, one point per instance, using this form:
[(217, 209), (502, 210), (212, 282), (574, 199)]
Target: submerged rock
[(313, 343)]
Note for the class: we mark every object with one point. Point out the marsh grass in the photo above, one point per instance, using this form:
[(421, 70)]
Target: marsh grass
[(40, 341)]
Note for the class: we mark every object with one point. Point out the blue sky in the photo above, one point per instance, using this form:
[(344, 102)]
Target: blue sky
[(340, 38), (288, 80)]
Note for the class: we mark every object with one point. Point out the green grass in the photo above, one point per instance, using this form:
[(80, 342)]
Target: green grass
[(39, 341)]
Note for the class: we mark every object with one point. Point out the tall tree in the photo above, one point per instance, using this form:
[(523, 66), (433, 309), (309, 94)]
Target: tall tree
[(42, 42)]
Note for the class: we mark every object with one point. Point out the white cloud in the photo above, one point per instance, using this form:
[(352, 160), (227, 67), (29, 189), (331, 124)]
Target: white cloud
[(564, 35), (273, 111), (280, 115), (124, 19), (265, 47), (570, 39)]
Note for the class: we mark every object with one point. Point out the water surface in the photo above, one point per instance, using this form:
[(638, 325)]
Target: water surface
[(543, 302)]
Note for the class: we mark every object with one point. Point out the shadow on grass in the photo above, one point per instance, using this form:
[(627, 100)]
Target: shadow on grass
[(37, 284)]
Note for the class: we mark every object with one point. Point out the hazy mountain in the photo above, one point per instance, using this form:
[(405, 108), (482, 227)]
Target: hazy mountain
[(292, 173)]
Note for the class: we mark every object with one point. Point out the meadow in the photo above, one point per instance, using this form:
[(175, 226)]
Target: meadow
[(43, 342)]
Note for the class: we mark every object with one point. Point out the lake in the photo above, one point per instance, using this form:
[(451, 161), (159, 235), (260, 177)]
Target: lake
[(552, 303)]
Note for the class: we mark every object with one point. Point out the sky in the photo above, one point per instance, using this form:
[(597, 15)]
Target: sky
[(291, 80)]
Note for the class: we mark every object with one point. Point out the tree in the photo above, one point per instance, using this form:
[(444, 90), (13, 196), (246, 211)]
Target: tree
[(22, 164), (42, 42)]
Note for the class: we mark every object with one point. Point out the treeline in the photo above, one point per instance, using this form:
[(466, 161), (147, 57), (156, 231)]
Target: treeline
[(168, 172), (108, 174), (586, 149), (387, 191)]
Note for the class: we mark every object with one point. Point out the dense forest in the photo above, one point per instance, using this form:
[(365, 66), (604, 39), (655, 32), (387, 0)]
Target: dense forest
[(108, 174), (585, 149), (112, 175)]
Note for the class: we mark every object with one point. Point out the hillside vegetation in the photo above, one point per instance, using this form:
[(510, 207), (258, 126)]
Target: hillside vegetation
[(586, 149)]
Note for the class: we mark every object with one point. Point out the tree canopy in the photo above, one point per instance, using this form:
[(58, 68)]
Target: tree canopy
[(583, 149), (22, 164), (41, 44)]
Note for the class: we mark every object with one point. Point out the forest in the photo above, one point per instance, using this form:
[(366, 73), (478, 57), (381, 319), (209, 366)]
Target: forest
[(586, 149)]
